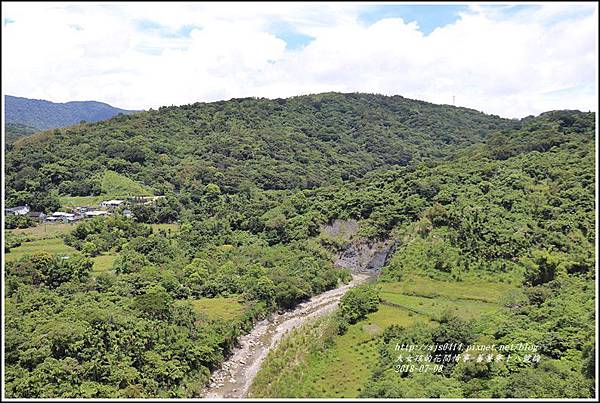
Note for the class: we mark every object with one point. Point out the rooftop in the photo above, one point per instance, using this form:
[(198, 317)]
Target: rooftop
[(16, 208)]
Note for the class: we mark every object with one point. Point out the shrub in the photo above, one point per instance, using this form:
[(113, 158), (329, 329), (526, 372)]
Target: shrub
[(356, 304)]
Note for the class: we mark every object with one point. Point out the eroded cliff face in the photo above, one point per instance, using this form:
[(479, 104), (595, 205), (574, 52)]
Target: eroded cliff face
[(360, 256), (357, 254)]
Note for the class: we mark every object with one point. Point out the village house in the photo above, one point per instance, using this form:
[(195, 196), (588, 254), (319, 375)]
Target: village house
[(111, 204), (96, 213), (83, 209), (64, 217), (19, 210), (144, 200), (37, 215)]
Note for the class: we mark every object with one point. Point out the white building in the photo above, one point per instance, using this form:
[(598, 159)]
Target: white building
[(19, 210), (145, 200), (64, 217), (61, 214), (111, 203), (96, 213)]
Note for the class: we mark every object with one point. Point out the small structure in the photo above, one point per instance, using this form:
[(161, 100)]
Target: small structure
[(83, 209), (95, 213), (127, 213), (64, 217), (19, 210), (62, 214), (37, 215), (111, 203), (144, 200)]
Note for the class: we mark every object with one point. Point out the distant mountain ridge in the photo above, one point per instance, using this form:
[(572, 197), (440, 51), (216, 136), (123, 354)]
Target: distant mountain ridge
[(43, 115)]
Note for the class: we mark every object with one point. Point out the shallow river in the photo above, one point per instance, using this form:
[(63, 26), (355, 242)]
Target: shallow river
[(237, 373)]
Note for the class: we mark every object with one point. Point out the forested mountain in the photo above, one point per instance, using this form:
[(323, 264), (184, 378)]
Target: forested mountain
[(15, 130), (295, 143), (464, 195), (43, 115)]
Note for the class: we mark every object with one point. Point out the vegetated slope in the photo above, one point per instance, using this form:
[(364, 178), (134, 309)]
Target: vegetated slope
[(486, 208), (15, 130), (518, 209), (316, 361), (300, 142), (43, 115)]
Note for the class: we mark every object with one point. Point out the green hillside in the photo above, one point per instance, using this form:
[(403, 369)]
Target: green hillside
[(113, 183), (495, 246), (295, 143), (493, 222)]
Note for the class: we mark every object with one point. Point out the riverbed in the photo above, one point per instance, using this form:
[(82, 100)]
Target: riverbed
[(237, 373)]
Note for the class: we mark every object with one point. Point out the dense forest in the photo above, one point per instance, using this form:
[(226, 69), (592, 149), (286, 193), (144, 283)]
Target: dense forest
[(294, 143), (251, 182), (516, 210)]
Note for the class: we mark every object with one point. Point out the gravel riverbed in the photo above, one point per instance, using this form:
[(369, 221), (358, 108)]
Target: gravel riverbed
[(237, 373)]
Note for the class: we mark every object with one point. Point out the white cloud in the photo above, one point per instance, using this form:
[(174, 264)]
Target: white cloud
[(508, 63)]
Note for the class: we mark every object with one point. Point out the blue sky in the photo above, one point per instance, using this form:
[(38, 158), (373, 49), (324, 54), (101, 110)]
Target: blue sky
[(428, 16), (508, 59), (287, 32)]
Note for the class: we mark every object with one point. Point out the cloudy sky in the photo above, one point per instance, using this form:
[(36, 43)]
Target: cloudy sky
[(510, 60)]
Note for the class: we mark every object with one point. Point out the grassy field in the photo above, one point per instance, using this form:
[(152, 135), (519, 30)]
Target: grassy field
[(305, 364), (285, 371), (435, 307), (48, 238), (52, 245), (80, 201), (43, 231), (301, 367), (346, 366), (167, 227), (225, 308), (114, 183), (466, 290), (41, 238), (114, 186), (103, 263)]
